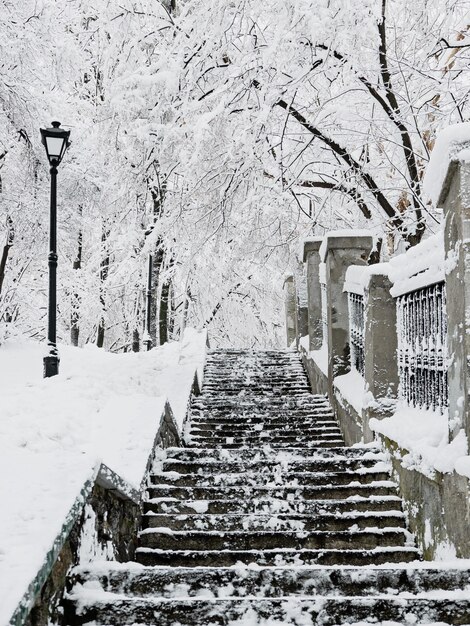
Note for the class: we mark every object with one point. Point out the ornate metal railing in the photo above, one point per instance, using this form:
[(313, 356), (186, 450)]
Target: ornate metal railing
[(422, 347), (324, 313), (356, 331)]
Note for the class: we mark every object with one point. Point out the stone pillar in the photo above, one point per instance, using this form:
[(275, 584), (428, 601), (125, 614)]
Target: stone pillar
[(455, 199), (380, 350), (311, 259), (290, 298), (338, 252), (301, 305)]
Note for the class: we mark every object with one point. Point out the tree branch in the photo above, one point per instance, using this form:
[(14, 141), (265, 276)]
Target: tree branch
[(345, 156)]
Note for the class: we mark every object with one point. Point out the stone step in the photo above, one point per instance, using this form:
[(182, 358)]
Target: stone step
[(270, 454), (216, 467), (284, 610), (249, 444), (285, 479), (286, 377), (218, 406), (166, 539), (259, 423), (256, 416), (294, 432), (280, 445), (229, 522), (229, 558), (304, 399), (229, 425), (250, 492), (263, 582), (274, 435), (251, 386), (272, 506)]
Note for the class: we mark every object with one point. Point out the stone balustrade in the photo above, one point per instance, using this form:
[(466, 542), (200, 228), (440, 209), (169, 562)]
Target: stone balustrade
[(372, 363)]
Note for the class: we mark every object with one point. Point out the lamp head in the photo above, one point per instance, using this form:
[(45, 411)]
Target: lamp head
[(56, 141)]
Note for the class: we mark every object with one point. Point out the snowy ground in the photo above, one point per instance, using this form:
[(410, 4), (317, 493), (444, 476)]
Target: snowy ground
[(102, 407)]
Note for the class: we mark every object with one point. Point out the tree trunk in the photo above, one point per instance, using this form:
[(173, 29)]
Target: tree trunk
[(164, 312), (6, 250), (104, 268), (75, 316)]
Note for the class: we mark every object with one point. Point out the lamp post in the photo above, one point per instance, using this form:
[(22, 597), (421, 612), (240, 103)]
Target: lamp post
[(56, 142)]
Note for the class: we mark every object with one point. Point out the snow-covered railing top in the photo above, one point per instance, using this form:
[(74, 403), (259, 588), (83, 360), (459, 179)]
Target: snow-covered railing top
[(358, 277), (421, 266), (452, 145)]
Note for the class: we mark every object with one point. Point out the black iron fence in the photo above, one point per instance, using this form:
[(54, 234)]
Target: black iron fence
[(356, 331), (422, 347)]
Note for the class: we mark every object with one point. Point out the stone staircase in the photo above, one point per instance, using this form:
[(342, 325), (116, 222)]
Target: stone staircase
[(267, 518)]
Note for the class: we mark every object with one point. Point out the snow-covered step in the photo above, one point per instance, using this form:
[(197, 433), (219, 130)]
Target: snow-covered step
[(242, 444), (267, 453), (251, 427), (275, 557), (287, 479), (262, 582), (453, 608), (167, 539), (294, 430), (215, 467), (249, 492), (277, 440), (297, 522), (272, 505)]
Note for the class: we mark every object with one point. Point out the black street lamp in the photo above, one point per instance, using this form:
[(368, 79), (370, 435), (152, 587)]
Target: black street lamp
[(56, 142)]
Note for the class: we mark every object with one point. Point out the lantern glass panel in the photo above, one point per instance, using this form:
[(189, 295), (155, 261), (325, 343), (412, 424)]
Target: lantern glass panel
[(55, 146)]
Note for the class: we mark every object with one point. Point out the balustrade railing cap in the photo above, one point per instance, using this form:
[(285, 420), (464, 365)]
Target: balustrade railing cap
[(312, 244), (345, 240)]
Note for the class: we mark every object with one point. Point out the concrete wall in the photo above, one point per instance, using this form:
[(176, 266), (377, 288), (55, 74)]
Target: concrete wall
[(456, 203), (438, 508)]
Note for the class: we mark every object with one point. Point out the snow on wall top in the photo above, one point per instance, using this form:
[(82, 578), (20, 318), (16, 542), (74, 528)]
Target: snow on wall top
[(419, 266), (333, 234), (358, 276), (452, 143)]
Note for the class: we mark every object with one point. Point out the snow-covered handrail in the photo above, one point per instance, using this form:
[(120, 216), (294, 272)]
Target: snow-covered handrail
[(421, 266), (104, 477)]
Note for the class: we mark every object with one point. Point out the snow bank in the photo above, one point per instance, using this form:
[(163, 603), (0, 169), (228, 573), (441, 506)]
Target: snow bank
[(321, 358), (422, 265), (102, 407), (424, 434), (358, 276), (452, 143), (351, 387)]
